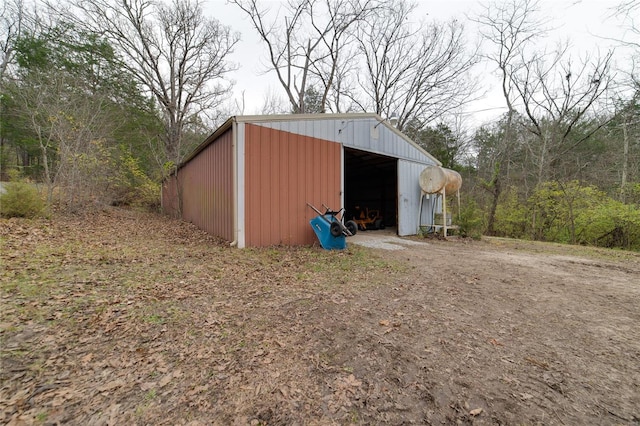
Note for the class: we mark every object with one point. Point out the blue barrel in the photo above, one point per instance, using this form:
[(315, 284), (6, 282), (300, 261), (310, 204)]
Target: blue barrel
[(322, 228)]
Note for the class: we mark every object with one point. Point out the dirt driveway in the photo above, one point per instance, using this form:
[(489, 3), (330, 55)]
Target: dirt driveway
[(521, 332), (135, 319)]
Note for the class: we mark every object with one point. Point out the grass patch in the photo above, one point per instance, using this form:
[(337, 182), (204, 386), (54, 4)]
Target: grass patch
[(154, 319), (41, 417), (150, 395)]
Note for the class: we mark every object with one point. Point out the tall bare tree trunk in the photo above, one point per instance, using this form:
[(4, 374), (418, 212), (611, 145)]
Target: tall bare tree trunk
[(625, 158), (495, 189)]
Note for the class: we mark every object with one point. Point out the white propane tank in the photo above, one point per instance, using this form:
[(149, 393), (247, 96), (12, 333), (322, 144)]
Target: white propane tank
[(434, 179)]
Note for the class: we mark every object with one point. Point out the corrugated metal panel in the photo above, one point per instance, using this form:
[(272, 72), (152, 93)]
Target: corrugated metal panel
[(206, 182), (364, 133), (283, 172), (409, 198)]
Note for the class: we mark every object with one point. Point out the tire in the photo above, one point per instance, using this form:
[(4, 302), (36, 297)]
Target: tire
[(335, 229), (351, 227)]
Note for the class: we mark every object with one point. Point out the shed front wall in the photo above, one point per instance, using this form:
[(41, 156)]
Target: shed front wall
[(284, 172), (206, 183), (410, 197)]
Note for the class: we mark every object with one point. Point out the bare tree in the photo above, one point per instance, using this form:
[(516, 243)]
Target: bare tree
[(306, 43), (341, 95), (68, 126), (12, 21), (273, 104), (11, 28), (627, 12), (179, 56), (557, 95), (509, 28), (417, 74)]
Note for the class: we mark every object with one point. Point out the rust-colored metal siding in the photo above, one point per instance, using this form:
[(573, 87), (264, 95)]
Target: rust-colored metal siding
[(284, 171), (206, 184)]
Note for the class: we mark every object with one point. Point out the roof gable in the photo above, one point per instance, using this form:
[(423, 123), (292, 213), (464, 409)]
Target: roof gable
[(363, 131)]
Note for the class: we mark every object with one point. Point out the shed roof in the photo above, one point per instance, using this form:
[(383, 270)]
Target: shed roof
[(275, 118)]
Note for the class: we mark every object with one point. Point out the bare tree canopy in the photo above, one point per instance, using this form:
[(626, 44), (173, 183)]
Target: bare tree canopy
[(557, 94), (509, 28), (627, 7), (174, 52), (550, 98), (306, 42), (320, 46), (417, 74), (627, 12), (12, 22)]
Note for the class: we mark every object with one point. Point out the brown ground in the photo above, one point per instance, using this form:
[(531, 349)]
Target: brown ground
[(129, 318)]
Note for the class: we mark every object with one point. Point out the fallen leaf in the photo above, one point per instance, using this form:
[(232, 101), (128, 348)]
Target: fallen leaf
[(111, 385), (284, 391), (475, 412), (352, 381), (147, 385), (198, 389), (165, 380)]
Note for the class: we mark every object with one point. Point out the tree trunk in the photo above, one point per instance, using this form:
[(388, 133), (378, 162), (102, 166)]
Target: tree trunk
[(625, 159), (495, 188)]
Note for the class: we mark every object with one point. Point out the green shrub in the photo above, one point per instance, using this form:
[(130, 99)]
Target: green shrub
[(568, 212), (610, 224), (470, 220), (21, 199), (512, 217), (633, 193), (130, 184)]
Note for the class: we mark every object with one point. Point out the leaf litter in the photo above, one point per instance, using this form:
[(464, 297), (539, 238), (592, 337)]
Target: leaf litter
[(123, 317)]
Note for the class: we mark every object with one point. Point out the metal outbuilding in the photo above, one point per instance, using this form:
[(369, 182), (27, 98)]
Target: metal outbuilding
[(250, 181)]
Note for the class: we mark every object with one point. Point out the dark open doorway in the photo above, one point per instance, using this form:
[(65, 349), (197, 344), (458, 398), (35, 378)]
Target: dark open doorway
[(370, 185)]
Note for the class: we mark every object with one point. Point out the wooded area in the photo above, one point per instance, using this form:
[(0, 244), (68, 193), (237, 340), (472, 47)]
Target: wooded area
[(101, 99)]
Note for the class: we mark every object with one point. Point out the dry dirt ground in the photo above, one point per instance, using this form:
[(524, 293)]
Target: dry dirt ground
[(130, 318)]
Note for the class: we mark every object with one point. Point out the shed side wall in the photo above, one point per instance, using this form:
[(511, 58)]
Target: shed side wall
[(207, 188), (283, 172)]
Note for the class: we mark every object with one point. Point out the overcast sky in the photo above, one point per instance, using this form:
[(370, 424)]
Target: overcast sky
[(584, 22)]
